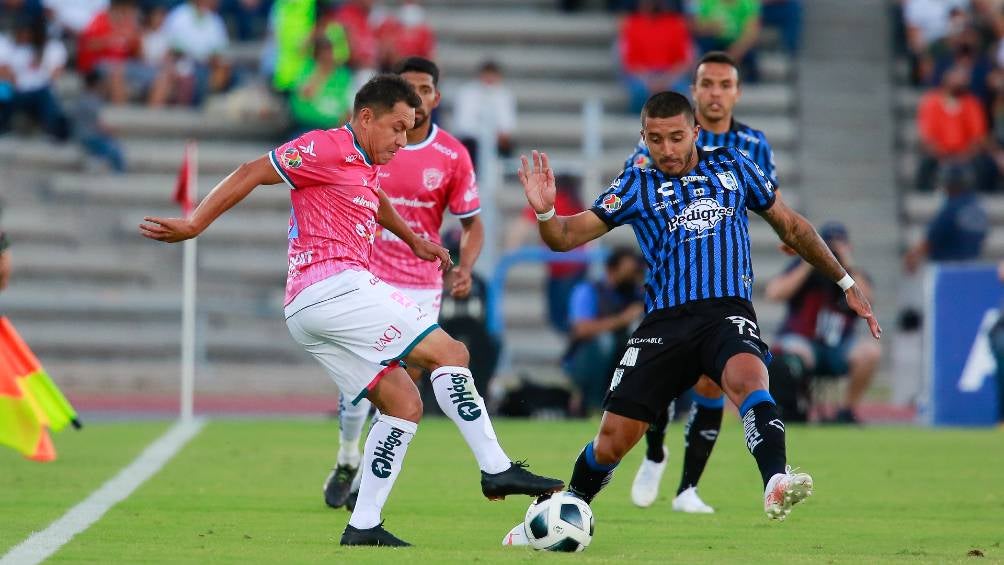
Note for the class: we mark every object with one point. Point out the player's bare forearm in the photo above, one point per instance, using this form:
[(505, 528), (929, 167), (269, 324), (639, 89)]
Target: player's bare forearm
[(388, 217), (224, 196), (564, 233), (472, 239), (796, 232)]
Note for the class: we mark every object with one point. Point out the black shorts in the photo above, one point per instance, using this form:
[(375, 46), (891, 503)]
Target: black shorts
[(674, 346)]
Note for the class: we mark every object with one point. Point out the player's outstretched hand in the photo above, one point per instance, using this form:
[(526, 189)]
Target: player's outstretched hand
[(462, 281), (857, 301), (428, 251), (538, 181), (168, 230)]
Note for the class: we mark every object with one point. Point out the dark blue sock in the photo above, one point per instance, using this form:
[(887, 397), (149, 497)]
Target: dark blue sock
[(764, 433), (588, 476)]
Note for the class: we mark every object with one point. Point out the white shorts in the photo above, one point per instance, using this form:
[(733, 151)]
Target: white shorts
[(358, 327), (430, 299)]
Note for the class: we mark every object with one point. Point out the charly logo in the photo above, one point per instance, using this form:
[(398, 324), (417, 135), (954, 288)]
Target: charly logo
[(463, 397), (700, 215), (383, 456)]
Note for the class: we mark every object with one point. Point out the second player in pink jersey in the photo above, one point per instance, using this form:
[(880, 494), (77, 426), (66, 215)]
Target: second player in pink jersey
[(429, 176)]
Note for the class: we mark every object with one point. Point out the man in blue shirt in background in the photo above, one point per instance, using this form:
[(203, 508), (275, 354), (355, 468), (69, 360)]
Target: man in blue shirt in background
[(958, 230), (601, 315)]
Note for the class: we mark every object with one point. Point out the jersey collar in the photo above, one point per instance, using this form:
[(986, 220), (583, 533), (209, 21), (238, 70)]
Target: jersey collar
[(359, 148), (433, 131)]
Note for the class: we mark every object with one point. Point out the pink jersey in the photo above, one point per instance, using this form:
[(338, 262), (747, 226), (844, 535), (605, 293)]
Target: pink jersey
[(332, 223), (422, 181)]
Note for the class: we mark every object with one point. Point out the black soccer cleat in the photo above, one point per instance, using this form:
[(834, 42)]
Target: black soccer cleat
[(338, 485), (517, 480), (375, 536)]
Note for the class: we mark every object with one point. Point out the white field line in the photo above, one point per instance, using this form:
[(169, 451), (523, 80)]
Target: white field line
[(39, 546)]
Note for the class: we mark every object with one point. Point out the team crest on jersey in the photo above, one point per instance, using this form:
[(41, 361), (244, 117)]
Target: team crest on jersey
[(291, 158), (432, 178), (642, 161), (700, 215), (611, 203), (728, 180)]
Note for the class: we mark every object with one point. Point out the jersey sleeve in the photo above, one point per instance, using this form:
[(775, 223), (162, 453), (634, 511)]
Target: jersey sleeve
[(300, 162), (463, 195), (615, 206), (760, 190), (766, 160)]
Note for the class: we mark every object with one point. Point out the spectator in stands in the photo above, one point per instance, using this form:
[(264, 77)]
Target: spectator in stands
[(35, 62), (561, 277), (197, 37), (113, 42), (485, 104), (928, 23), (600, 316), (357, 18), (95, 137), (323, 99), (817, 335), (406, 34), (953, 130), (960, 227), (4, 260), (786, 16), (732, 26), (13, 12), (292, 24), (70, 17), (247, 17), (964, 47), (157, 58), (656, 52)]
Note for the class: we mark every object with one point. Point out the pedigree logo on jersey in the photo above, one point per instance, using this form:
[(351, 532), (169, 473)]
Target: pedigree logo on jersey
[(701, 215), (611, 203), (432, 178), (291, 158)]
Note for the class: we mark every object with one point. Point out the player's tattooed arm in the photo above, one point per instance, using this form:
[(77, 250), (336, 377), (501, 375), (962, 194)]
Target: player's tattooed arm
[(797, 233), (424, 249), (560, 233), (224, 196)]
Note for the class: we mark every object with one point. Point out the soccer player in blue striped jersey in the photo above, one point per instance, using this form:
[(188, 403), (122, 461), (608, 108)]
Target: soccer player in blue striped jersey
[(715, 91), (689, 214)]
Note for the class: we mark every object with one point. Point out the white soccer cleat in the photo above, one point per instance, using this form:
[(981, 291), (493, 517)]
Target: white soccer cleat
[(688, 501), (516, 536), (785, 490), (645, 488)]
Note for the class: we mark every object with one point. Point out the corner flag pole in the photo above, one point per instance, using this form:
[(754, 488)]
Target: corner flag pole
[(188, 293)]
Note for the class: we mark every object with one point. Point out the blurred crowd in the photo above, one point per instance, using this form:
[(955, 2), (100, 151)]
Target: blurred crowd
[(659, 41), (956, 56)]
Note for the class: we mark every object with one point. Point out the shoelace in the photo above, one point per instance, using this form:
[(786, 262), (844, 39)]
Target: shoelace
[(789, 470), (522, 464)]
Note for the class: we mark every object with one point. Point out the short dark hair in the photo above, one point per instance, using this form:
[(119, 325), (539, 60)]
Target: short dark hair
[(418, 65), (720, 57), (618, 255), (382, 92), (489, 66), (666, 105)]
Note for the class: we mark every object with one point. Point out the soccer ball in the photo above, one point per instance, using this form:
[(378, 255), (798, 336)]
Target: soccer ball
[(563, 522)]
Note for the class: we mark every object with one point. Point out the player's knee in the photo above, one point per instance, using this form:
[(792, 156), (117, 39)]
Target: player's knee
[(412, 409), (744, 374), (867, 352), (453, 354), (607, 451)]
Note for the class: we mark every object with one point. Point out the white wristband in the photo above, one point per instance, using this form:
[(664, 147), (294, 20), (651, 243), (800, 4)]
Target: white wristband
[(846, 282), (546, 215)]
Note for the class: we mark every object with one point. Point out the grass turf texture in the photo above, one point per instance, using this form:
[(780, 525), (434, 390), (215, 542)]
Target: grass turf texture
[(250, 492)]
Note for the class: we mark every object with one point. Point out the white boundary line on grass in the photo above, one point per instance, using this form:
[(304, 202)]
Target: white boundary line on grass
[(41, 545)]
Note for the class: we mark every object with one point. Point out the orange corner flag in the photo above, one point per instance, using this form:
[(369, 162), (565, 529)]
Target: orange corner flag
[(30, 403)]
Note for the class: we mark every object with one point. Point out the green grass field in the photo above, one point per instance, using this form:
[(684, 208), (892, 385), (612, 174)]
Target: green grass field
[(250, 492)]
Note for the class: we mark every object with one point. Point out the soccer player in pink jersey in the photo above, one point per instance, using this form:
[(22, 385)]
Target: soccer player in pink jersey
[(427, 177), (356, 325)]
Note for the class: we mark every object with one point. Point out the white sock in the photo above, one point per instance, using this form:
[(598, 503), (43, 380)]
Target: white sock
[(459, 399), (351, 420), (386, 447)]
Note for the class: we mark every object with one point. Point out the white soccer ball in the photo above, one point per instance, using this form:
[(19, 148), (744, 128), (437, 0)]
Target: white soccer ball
[(563, 522)]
